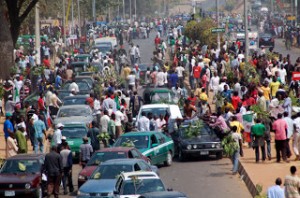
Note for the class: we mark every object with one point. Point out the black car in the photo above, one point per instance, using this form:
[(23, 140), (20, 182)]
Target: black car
[(164, 194), (205, 143), (75, 100), (84, 89), (266, 40), (143, 69), (21, 176)]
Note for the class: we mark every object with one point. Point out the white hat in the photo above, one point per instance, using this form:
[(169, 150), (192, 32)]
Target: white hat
[(20, 125), (63, 138), (10, 96), (59, 125)]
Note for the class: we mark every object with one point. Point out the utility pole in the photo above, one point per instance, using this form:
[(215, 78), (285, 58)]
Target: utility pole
[(130, 11), (37, 34), (194, 6), (246, 30), (94, 10), (118, 9), (79, 23), (124, 10), (64, 22), (272, 6), (219, 43), (135, 9), (296, 12), (72, 29)]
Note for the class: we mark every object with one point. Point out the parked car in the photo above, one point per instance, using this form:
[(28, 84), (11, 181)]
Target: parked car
[(158, 95), (83, 58), (75, 100), (158, 147), (133, 184), (106, 175), (87, 79), (74, 114), (84, 89), (108, 154), (21, 176), (266, 40), (74, 134), (143, 69), (205, 144), (164, 194)]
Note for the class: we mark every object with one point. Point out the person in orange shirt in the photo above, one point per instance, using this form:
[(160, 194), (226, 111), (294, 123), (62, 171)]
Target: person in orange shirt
[(235, 99)]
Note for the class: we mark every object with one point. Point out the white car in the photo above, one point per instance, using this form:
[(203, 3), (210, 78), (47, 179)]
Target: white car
[(133, 184)]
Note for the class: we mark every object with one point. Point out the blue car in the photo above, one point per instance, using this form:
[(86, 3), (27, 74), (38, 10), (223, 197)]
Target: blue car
[(102, 181)]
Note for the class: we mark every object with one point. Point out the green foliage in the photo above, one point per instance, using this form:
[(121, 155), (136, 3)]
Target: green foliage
[(229, 6), (128, 143), (202, 31), (250, 74), (259, 112), (38, 70), (104, 136), (229, 146), (194, 130), (259, 189)]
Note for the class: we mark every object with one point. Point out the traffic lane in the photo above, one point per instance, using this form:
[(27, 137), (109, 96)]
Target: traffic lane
[(280, 48), (204, 178)]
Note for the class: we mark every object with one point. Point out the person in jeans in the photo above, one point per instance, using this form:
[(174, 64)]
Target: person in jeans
[(258, 133), (237, 138), (86, 151), (280, 128), (67, 162), (92, 134), (39, 134)]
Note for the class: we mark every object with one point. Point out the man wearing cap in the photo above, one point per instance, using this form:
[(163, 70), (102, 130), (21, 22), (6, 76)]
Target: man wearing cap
[(57, 134), (9, 105), (8, 126), (21, 140), (74, 86), (86, 151), (39, 134)]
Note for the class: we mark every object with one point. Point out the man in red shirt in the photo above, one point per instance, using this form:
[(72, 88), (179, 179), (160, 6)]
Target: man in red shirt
[(46, 62), (280, 128), (235, 99), (192, 99), (90, 100), (42, 108), (157, 41), (196, 72)]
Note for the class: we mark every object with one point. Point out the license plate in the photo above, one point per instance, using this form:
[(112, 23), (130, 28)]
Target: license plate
[(9, 193), (203, 152)]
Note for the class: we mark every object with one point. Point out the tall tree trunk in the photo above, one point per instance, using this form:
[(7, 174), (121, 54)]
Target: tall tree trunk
[(6, 47)]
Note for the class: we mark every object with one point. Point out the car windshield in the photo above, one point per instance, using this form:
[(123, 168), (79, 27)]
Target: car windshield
[(140, 186), (21, 166), (138, 141), (103, 49), (161, 97), (68, 112), (99, 157), (110, 171), (155, 111), (76, 132), (82, 85), (186, 130), (74, 101)]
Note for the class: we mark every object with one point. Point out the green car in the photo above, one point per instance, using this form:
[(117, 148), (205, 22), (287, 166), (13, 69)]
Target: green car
[(158, 95), (74, 134), (158, 147)]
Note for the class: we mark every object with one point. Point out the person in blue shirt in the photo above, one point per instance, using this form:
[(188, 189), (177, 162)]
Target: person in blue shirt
[(276, 191), (58, 81), (39, 134), (8, 126), (173, 78), (226, 93)]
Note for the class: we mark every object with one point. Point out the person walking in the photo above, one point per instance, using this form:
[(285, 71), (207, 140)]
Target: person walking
[(39, 134), (11, 146), (280, 128), (290, 129), (21, 139), (296, 137), (86, 151), (54, 169), (258, 133), (57, 136), (92, 134), (67, 163), (292, 184), (237, 138), (276, 191), (8, 126), (143, 123)]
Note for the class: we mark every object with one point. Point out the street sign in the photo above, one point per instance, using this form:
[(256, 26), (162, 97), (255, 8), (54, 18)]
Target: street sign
[(217, 30)]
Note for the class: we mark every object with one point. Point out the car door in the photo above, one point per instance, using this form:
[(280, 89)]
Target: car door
[(162, 148), (155, 149), (144, 166), (135, 154)]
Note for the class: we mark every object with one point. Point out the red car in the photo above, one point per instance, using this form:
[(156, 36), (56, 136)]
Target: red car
[(21, 176), (108, 154)]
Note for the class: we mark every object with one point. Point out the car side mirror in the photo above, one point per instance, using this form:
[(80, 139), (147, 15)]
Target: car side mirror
[(154, 145), (170, 189), (116, 192)]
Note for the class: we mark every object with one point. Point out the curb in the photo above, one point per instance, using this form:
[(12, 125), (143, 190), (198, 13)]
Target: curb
[(245, 177)]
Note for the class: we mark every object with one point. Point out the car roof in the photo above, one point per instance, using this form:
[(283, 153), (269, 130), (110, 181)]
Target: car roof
[(164, 194), (150, 106), (79, 63), (74, 106), (75, 97), (157, 90), (122, 161), (138, 133), (79, 124), (27, 156), (140, 175), (115, 149)]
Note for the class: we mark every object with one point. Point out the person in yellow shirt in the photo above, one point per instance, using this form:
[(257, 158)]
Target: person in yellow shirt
[(203, 96), (198, 91), (274, 86), (239, 126), (227, 105), (267, 93), (126, 71), (167, 66)]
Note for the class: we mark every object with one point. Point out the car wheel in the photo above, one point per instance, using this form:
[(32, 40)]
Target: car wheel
[(219, 155), (181, 156), (168, 162), (39, 192)]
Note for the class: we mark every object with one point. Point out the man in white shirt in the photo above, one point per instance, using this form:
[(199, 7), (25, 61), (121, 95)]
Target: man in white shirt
[(97, 109), (18, 85), (74, 86), (57, 134), (143, 123), (160, 122), (132, 51), (104, 122), (276, 191), (180, 71), (160, 78), (119, 119), (282, 74)]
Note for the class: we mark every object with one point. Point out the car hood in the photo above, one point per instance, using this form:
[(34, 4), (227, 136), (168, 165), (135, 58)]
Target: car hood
[(74, 119), (87, 171), (200, 139), (17, 178), (98, 186), (143, 150)]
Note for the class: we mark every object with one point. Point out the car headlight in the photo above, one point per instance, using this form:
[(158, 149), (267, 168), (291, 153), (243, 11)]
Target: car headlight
[(27, 186), (81, 177), (189, 147), (213, 146), (194, 146), (82, 193), (218, 146)]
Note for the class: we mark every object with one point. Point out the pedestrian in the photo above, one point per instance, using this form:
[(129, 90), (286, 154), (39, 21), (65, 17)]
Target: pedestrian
[(280, 128), (8, 126), (67, 163), (237, 138), (111, 130), (120, 118), (258, 134), (292, 184), (39, 134), (21, 139), (86, 151), (93, 135), (135, 103), (56, 139), (290, 130), (54, 169), (143, 123), (11, 146), (276, 191)]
